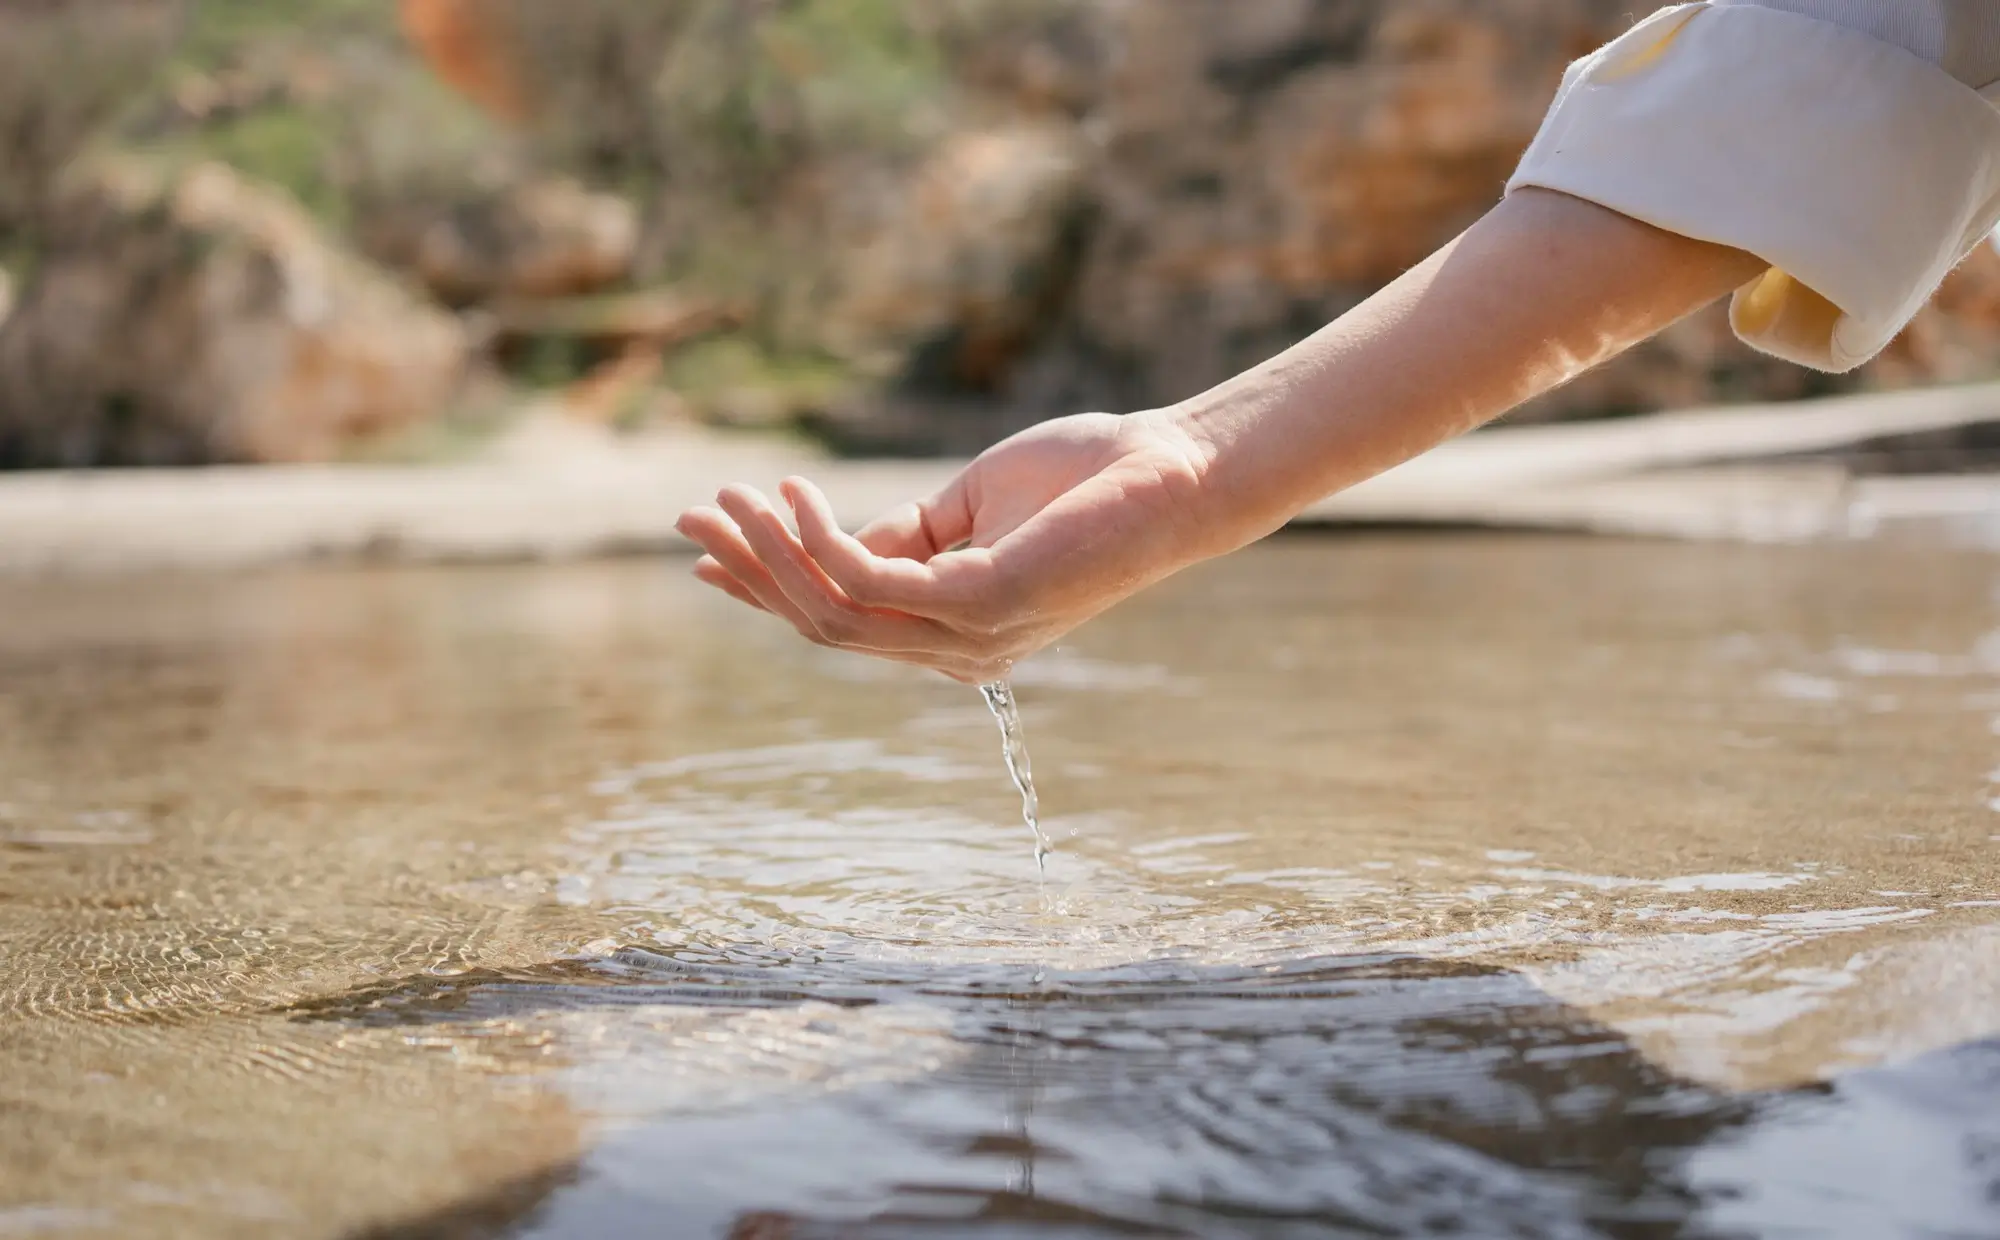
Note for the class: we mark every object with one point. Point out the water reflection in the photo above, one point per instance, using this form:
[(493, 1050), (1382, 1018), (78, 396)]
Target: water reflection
[(1379, 1096), (1474, 887)]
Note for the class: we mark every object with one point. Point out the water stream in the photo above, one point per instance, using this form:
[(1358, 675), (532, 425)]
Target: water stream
[(999, 697)]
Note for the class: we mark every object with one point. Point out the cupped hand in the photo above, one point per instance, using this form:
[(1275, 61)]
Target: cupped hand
[(1036, 536)]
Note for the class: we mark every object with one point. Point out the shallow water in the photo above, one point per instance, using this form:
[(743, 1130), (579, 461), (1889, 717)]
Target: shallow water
[(1405, 886)]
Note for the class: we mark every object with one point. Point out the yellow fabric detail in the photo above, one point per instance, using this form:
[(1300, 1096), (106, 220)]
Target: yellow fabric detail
[(1775, 309)]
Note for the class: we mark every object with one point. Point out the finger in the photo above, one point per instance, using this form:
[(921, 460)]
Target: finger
[(838, 618), (732, 557), (718, 535), (916, 531), (899, 534), (710, 571), (715, 531), (868, 578), (962, 669)]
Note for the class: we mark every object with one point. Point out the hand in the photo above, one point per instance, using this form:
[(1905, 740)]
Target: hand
[(1058, 523), (1036, 536)]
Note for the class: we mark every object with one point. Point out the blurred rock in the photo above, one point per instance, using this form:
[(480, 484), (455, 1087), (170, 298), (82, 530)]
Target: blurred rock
[(67, 68), (1240, 176), (931, 226), (1045, 59), (735, 380), (615, 391), (536, 239), (193, 317), (972, 265), (1957, 337), (612, 325), (1266, 166)]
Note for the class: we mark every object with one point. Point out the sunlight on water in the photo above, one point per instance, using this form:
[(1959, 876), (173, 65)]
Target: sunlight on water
[(1509, 887)]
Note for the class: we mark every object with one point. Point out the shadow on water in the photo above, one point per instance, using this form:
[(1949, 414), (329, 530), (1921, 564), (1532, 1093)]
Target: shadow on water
[(1738, 799), (1363, 1095)]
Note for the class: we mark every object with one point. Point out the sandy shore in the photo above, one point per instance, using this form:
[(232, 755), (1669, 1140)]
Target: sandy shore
[(558, 490)]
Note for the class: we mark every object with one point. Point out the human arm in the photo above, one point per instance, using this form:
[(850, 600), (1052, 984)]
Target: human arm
[(1070, 517), (1856, 170)]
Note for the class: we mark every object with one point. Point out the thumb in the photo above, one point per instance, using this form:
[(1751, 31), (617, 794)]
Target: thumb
[(914, 531)]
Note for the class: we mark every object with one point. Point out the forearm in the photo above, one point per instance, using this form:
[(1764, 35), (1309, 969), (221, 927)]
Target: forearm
[(1539, 290)]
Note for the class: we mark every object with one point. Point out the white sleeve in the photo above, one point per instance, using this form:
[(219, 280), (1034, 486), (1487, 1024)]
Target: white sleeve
[(1861, 173)]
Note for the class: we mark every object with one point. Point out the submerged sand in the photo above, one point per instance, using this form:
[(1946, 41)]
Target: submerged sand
[(1538, 879)]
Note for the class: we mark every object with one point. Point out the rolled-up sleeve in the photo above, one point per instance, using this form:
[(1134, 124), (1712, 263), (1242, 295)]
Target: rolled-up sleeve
[(1862, 174)]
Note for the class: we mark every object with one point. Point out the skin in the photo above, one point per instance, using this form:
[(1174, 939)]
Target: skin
[(1058, 523)]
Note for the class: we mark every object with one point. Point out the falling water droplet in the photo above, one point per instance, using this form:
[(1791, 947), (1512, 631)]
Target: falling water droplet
[(1000, 700)]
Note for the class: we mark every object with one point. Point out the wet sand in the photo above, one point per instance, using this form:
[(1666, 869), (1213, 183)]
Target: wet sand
[(1555, 886)]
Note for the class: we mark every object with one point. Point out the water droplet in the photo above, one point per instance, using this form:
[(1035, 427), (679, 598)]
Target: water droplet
[(1000, 700)]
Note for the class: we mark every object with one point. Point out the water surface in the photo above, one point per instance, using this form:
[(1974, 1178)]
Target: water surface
[(1404, 886)]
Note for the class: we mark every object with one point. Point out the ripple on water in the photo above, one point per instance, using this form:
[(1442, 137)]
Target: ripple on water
[(1350, 958), (697, 857), (1166, 1093)]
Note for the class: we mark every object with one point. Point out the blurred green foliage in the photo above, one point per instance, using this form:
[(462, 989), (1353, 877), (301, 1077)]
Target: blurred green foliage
[(286, 145), (813, 77), (218, 31), (322, 98), (755, 136), (66, 71), (754, 132), (745, 382), (716, 105)]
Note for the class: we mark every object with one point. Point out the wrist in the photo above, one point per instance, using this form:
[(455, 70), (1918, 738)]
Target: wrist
[(1211, 478), (1172, 431)]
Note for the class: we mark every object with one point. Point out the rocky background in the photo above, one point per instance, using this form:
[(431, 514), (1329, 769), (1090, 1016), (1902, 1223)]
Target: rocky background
[(239, 231)]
